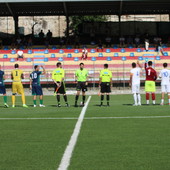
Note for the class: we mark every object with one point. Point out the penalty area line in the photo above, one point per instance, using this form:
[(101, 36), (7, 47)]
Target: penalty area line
[(65, 161)]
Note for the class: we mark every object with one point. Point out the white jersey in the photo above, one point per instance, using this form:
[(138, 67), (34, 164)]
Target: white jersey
[(136, 75), (165, 75)]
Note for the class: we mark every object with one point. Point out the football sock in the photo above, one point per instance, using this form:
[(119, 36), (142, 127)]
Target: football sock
[(107, 98), (65, 98), (41, 101), (83, 98), (162, 100), (168, 100), (76, 98), (13, 99), (58, 98), (147, 96), (153, 101), (35, 102), (153, 96), (139, 98), (135, 98), (102, 98), (147, 101), (5, 99), (23, 98)]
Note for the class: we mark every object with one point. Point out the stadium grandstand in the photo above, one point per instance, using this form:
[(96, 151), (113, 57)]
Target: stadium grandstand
[(119, 58)]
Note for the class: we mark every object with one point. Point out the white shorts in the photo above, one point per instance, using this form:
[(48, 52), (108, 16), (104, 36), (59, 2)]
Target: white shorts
[(135, 88), (165, 88)]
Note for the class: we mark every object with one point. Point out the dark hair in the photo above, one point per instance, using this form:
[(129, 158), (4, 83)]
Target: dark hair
[(150, 63), (165, 64), (133, 65), (58, 64), (81, 64), (35, 67), (106, 65), (16, 65)]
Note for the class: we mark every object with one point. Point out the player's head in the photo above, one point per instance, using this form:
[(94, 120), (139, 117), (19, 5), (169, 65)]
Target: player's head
[(133, 65), (16, 66), (81, 65), (58, 64), (36, 67), (106, 65), (150, 63), (165, 65)]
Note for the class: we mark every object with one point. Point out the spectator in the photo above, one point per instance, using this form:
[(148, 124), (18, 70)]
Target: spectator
[(29, 43), (41, 36), (137, 41), (13, 44), (49, 36), (146, 44), (19, 42), (108, 40), (76, 42), (84, 54), (100, 46), (159, 46), (122, 41), (20, 54), (129, 41), (62, 42)]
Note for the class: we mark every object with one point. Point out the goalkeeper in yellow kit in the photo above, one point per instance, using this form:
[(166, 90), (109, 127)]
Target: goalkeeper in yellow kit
[(17, 87)]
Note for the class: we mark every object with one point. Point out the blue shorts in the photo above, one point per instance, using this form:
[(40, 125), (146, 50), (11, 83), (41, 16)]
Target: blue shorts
[(37, 90), (2, 90)]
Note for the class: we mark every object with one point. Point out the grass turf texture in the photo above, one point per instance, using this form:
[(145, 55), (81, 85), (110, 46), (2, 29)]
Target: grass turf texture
[(105, 144)]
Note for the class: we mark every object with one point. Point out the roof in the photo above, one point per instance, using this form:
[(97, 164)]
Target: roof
[(87, 7)]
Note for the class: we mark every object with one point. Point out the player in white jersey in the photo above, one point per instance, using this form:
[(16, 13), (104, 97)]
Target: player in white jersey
[(165, 83), (135, 83)]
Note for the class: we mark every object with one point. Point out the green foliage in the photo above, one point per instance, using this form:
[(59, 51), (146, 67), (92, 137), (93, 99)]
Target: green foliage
[(75, 21)]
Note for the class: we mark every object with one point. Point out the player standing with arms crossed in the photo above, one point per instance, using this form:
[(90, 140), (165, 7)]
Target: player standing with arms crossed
[(151, 76), (81, 77), (105, 84), (165, 83), (35, 85), (135, 83), (58, 76), (2, 87), (17, 87)]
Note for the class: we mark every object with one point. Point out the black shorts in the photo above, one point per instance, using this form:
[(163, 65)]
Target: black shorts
[(105, 87), (61, 89), (37, 90), (2, 90), (81, 86)]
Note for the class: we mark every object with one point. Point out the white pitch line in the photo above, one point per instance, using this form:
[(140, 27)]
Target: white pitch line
[(86, 118), (65, 161)]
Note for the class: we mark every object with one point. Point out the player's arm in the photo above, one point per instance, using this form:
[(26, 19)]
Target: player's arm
[(12, 76), (43, 70), (30, 82), (146, 63), (111, 81), (53, 77), (130, 81), (139, 64)]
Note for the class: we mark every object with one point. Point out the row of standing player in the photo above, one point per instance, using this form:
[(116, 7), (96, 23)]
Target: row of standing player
[(151, 77), (58, 75)]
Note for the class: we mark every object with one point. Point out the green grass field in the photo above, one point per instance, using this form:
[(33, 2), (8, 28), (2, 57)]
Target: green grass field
[(119, 137)]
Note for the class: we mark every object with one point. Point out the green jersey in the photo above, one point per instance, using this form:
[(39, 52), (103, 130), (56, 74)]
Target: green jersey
[(58, 74), (105, 75), (81, 75)]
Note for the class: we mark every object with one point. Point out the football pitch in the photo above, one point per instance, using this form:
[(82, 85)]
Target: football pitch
[(119, 137)]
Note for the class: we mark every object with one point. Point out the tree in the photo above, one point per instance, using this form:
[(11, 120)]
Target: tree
[(75, 21)]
